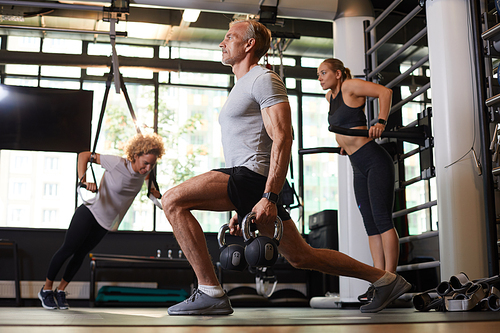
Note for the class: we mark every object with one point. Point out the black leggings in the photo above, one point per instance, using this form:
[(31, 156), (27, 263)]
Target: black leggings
[(374, 187), (83, 234)]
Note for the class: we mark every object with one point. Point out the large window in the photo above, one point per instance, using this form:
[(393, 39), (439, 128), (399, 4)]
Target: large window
[(37, 189), (320, 170), (188, 120)]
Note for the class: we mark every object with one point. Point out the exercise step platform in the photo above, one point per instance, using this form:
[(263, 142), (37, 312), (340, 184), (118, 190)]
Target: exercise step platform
[(124, 296)]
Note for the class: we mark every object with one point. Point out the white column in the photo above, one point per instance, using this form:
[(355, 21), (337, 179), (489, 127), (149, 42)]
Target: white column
[(348, 46), (462, 230)]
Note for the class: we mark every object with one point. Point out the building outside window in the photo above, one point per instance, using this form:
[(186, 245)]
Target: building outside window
[(50, 190)]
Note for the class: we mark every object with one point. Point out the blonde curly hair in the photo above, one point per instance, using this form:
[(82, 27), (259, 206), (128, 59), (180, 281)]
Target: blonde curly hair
[(141, 144)]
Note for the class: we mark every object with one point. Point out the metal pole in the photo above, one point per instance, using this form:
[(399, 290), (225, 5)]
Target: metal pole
[(394, 30), (414, 209), (403, 48), (410, 70), (368, 67), (489, 195), (410, 98), (383, 15), (300, 126), (424, 235), (424, 265)]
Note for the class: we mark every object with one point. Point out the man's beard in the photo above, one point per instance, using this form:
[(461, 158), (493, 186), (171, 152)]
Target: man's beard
[(231, 60)]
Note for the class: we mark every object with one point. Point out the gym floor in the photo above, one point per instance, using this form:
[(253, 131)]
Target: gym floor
[(294, 319)]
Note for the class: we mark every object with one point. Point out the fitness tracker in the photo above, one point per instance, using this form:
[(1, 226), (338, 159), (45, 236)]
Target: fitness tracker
[(382, 121), (273, 197)]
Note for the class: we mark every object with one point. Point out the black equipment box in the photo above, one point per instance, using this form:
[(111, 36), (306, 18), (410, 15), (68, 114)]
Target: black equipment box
[(320, 219), (323, 228), (323, 234)]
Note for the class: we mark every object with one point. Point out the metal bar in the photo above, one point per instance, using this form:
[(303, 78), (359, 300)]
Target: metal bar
[(402, 76), (17, 276), (92, 294), (488, 190), (423, 235), (368, 68), (403, 48), (411, 181), (413, 267), (410, 98), (403, 133), (300, 127), (414, 209), (51, 5), (383, 15), (491, 32), (413, 123), (493, 100), (407, 72), (318, 150), (396, 107), (94, 32), (394, 30), (410, 153)]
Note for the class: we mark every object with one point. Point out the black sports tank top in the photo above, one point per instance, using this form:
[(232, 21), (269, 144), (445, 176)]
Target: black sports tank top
[(344, 116)]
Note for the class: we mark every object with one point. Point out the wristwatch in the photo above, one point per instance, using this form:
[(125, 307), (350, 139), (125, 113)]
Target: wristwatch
[(382, 121), (273, 197)]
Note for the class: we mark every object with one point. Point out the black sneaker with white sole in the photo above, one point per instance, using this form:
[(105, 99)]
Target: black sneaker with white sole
[(61, 300), (48, 299)]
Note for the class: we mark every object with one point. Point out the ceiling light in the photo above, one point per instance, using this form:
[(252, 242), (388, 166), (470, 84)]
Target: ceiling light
[(190, 15)]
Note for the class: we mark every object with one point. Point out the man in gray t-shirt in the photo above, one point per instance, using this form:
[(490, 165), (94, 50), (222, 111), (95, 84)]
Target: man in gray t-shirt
[(244, 137), (257, 141)]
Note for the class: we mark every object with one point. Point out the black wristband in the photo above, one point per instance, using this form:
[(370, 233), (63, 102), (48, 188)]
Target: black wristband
[(273, 197), (382, 121)]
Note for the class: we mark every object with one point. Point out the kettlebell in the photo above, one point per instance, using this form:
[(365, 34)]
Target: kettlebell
[(261, 251), (231, 256)]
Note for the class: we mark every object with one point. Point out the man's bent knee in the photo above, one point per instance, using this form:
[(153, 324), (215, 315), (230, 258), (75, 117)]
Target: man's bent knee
[(170, 203)]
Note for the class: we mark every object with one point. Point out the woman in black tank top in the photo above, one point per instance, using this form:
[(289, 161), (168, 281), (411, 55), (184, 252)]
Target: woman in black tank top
[(372, 166)]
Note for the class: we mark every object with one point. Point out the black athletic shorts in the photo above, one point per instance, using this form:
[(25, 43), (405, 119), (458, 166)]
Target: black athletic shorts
[(245, 189)]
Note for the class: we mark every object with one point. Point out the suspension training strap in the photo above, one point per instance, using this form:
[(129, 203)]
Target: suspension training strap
[(131, 109), (152, 176), (152, 182), (99, 124)]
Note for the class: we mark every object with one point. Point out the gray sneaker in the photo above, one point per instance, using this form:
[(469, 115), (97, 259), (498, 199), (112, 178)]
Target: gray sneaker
[(386, 294), (200, 303)]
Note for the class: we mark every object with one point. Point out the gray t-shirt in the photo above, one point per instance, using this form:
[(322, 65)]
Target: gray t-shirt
[(117, 190), (244, 137)]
